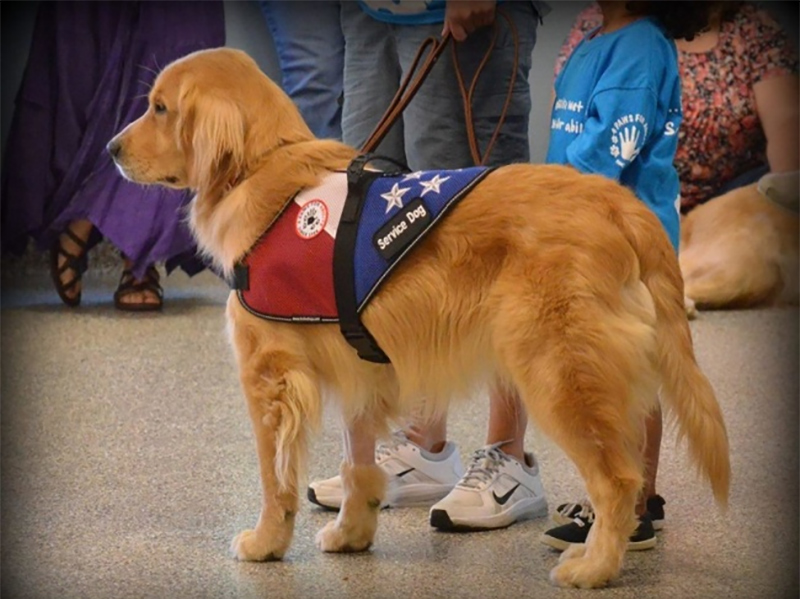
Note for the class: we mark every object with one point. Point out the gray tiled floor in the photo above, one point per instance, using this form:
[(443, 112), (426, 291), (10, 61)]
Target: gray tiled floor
[(128, 465)]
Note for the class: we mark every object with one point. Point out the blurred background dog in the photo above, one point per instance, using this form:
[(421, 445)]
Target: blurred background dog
[(740, 250)]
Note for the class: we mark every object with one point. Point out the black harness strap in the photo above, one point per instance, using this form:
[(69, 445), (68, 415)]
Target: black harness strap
[(240, 281), (350, 324)]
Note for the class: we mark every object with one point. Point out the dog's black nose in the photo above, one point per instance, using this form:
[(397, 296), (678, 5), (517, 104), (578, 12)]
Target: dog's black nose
[(114, 148)]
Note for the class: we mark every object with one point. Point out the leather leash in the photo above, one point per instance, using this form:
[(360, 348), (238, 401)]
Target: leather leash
[(407, 90)]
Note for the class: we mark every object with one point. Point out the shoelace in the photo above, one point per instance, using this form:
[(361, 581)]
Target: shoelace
[(585, 516), (485, 463), (581, 505), (384, 450)]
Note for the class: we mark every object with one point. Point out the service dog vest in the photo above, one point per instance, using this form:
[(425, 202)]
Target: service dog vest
[(332, 246)]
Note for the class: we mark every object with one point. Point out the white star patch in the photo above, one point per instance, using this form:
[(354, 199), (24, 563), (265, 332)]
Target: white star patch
[(414, 175), (433, 184), (394, 198)]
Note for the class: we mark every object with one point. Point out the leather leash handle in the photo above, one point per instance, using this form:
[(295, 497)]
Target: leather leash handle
[(401, 98), (467, 95)]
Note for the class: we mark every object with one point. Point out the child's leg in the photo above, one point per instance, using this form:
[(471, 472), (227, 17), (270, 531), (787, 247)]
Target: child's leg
[(431, 435), (507, 422), (652, 450)]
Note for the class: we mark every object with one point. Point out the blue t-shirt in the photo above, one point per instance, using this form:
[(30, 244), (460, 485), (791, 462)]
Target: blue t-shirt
[(617, 112), (418, 12), (405, 12)]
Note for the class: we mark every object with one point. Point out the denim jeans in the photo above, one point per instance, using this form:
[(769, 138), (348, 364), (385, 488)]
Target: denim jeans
[(310, 47), (431, 132)]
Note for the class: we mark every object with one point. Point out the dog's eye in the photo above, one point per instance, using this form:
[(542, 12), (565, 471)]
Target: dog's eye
[(159, 108)]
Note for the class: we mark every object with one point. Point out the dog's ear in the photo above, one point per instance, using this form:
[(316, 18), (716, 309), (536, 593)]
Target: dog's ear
[(213, 129)]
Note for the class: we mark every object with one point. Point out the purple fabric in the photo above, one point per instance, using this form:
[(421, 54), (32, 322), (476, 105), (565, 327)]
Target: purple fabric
[(90, 67)]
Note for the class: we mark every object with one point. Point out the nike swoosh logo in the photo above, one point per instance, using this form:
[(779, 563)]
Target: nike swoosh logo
[(502, 500), (404, 472)]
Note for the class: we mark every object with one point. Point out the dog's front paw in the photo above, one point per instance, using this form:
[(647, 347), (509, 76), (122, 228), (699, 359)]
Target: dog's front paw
[(340, 539), (250, 546), (582, 573), (573, 551)]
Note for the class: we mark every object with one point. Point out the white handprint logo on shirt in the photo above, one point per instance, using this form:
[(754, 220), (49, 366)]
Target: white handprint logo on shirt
[(627, 136), (629, 140)]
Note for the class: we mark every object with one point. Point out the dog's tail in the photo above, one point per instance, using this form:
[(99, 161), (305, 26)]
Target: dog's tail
[(685, 390)]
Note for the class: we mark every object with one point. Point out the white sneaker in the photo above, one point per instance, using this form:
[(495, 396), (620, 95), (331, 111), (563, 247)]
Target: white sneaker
[(415, 476), (496, 491)]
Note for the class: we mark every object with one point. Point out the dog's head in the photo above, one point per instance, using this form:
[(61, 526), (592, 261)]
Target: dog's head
[(211, 116)]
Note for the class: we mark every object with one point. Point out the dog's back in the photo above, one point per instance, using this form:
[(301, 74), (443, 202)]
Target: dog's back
[(517, 220)]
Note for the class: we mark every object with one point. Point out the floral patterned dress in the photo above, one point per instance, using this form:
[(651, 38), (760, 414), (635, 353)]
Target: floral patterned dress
[(721, 136)]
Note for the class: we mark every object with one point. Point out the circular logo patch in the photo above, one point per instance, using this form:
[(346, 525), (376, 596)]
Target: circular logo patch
[(312, 219)]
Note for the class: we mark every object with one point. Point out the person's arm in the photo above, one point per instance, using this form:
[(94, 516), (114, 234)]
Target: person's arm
[(778, 106), (462, 17), (619, 122), (771, 62)]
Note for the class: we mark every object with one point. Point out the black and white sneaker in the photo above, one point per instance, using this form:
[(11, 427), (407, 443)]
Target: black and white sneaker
[(567, 512), (655, 509), (415, 476), (496, 491), (576, 532)]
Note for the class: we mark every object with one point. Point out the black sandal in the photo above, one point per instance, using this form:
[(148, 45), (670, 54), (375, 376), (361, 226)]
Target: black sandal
[(78, 264), (127, 286)]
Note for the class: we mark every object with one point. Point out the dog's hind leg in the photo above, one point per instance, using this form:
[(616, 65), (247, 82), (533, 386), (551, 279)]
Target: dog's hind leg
[(583, 368), (364, 489), (283, 401)]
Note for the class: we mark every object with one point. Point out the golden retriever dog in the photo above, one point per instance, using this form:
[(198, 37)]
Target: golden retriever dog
[(558, 285), (740, 250)]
